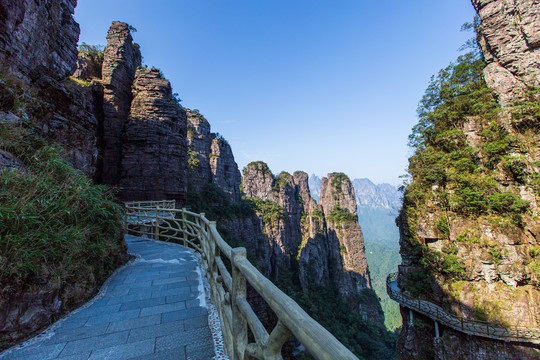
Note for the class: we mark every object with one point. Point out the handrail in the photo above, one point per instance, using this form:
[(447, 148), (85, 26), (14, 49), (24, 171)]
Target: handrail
[(164, 204), (228, 289), (470, 327)]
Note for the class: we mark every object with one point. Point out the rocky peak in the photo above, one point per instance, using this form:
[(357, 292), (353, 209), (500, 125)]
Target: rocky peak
[(199, 141), (337, 191), (23, 22), (301, 180), (121, 58), (154, 149), (198, 126), (224, 169), (211, 159), (509, 35), (257, 180)]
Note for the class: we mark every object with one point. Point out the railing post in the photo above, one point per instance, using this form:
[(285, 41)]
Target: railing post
[(239, 325), (200, 222), (211, 251), (156, 229), (184, 226)]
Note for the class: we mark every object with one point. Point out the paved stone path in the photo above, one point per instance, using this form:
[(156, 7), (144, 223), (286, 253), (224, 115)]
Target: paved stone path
[(154, 308)]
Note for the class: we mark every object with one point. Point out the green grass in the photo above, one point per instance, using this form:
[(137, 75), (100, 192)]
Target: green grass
[(56, 225)]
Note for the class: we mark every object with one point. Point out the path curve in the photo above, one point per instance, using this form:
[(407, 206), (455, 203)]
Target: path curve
[(153, 308)]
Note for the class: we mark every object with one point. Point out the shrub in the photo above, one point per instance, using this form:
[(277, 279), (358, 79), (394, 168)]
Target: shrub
[(193, 159), (339, 215), (507, 202), (338, 179)]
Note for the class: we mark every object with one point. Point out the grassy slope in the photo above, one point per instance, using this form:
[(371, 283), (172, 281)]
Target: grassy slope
[(60, 233)]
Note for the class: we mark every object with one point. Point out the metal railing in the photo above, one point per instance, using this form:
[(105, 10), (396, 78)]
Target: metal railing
[(471, 327), (228, 288)]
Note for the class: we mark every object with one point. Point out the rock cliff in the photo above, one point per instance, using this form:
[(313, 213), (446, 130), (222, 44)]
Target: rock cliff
[(211, 159), (154, 149), (324, 242), (509, 35), (121, 58), (468, 231), (339, 205), (38, 37)]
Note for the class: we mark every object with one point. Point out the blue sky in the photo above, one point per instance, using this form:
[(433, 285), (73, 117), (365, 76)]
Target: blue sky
[(310, 85)]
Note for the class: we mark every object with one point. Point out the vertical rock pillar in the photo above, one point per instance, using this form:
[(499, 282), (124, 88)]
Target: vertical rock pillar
[(121, 58)]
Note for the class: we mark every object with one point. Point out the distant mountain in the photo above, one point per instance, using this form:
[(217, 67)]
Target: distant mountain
[(314, 183), (378, 206), (384, 196)]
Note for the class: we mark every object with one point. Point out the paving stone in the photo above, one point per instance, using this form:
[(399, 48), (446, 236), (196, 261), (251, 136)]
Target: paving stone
[(174, 354), (98, 310), (129, 298), (193, 303), (124, 351), (183, 314), (196, 323), (36, 352), (161, 309), (107, 318), (199, 352), (154, 331), (183, 284), (134, 323), (185, 274), (201, 337), (133, 285), (74, 322), (181, 297), (139, 304), (64, 335), (169, 280), (80, 356), (96, 342), (177, 291), (118, 292)]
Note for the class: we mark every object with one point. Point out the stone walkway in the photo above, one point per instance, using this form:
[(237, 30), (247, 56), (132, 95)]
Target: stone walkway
[(154, 308)]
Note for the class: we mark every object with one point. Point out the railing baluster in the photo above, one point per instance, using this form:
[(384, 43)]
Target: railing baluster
[(239, 325), (275, 342)]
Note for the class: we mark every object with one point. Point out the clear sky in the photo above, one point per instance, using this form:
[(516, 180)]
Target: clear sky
[(310, 85)]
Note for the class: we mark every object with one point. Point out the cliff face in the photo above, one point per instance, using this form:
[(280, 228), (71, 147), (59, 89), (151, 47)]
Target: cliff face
[(154, 151), (339, 206), (38, 51), (509, 35), (468, 231), (324, 242), (211, 159), (120, 61), (22, 22)]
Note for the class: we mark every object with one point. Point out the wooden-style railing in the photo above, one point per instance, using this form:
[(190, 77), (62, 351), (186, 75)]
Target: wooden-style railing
[(228, 288), (471, 327)]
